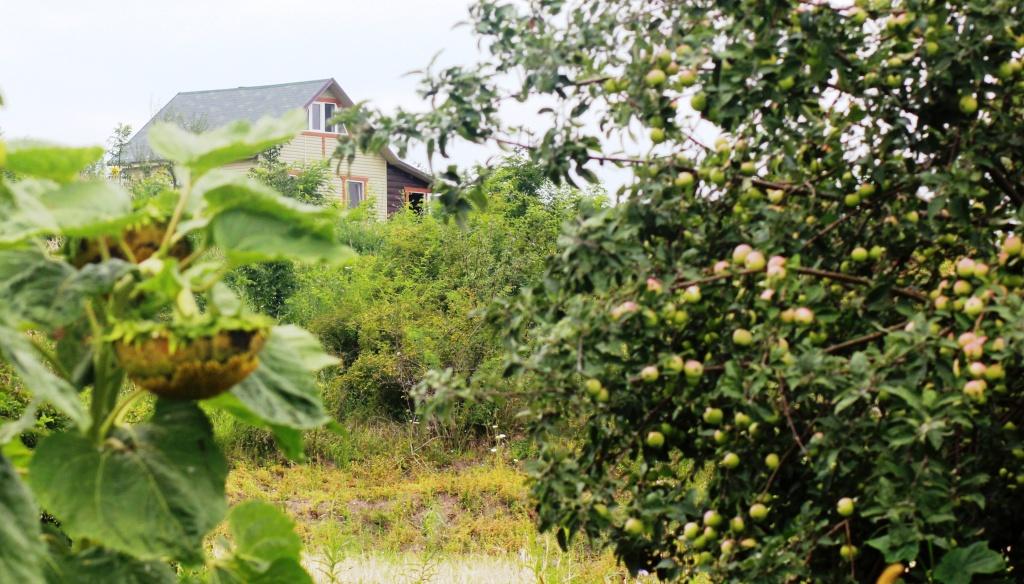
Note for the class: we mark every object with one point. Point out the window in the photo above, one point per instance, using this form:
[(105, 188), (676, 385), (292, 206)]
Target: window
[(356, 190), (319, 114), (417, 199)]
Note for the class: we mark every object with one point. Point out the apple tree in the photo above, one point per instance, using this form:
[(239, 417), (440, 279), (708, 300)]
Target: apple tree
[(107, 299), (793, 351)]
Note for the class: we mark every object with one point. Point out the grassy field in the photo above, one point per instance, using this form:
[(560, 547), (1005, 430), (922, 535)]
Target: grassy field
[(400, 511)]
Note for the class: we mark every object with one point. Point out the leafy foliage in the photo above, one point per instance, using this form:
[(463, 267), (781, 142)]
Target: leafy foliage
[(821, 306), (410, 301), (100, 287)]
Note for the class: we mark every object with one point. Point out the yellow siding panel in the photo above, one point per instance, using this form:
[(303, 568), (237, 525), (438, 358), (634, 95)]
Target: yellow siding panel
[(305, 149)]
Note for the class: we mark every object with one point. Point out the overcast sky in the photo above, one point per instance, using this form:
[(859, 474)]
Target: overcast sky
[(70, 70)]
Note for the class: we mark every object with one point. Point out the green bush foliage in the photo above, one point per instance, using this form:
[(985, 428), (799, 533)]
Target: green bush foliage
[(410, 302)]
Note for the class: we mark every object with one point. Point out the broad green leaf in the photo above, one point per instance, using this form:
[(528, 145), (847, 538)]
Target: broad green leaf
[(43, 292), (266, 547), (21, 548), (29, 283), (97, 565), (43, 160), (248, 237), (223, 191), (90, 208), (263, 532), (18, 352), (230, 143), (289, 440), (152, 491), (959, 565), (22, 214), (283, 389)]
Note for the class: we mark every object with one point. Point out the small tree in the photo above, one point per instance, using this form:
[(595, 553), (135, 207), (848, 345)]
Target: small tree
[(793, 351)]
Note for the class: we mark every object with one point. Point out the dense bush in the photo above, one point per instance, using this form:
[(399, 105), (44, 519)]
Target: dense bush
[(409, 302), (824, 304)]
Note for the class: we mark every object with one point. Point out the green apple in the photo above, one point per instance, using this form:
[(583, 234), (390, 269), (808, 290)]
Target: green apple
[(727, 546), (965, 267), (655, 78), (687, 77), (876, 252), (593, 386), (803, 316), (737, 525), (730, 460), (699, 101), (975, 389), (655, 439), (720, 437), (931, 48), (602, 510), (692, 294), (758, 512), (845, 506), (775, 196), (740, 253), (674, 364), (693, 369), (633, 526), (712, 518), (974, 306), (649, 374), (848, 552), (741, 420), (754, 261), (787, 83), (717, 176), (748, 168), (684, 180), (772, 461), (962, 288), (611, 86), (691, 530), (713, 416), (851, 200), (657, 135), (912, 217), (968, 104), (1013, 245), (859, 254), (742, 337)]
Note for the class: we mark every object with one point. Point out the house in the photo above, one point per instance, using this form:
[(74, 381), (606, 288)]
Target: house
[(380, 176)]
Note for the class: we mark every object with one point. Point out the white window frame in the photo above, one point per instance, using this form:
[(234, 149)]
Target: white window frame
[(321, 107), (363, 182)]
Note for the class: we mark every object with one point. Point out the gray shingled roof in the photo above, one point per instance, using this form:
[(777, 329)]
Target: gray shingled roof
[(206, 110)]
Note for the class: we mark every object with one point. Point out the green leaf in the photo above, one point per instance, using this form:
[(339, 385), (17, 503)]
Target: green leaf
[(22, 213), (230, 143), (29, 281), (248, 237), (23, 357), (266, 547), (289, 440), (283, 389), (97, 565), (21, 549), (50, 161), (899, 547), (89, 209), (960, 564), (152, 491)]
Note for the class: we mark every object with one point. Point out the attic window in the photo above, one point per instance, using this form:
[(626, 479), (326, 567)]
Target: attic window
[(320, 113)]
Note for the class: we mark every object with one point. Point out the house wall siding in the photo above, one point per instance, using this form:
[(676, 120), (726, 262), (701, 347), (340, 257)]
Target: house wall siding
[(307, 148), (398, 180)]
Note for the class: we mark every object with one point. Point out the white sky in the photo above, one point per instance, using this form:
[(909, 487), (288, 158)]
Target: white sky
[(70, 70)]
